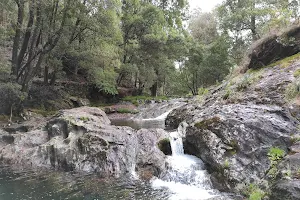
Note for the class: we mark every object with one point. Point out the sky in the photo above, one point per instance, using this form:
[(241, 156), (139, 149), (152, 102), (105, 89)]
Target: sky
[(205, 5)]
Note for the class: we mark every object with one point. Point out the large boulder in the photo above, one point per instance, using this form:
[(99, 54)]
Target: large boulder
[(235, 126), (82, 139), (274, 47)]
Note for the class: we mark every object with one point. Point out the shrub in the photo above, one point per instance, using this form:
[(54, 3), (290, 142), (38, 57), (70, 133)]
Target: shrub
[(126, 110), (292, 90), (244, 83), (202, 91), (297, 73), (275, 154), (11, 98), (253, 192)]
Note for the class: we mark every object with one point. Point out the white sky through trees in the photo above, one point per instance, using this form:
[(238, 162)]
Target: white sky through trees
[(205, 5)]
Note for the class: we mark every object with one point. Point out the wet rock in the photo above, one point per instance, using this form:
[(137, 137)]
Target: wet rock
[(286, 189), (233, 135), (165, 146), (9, 139), (18, 128)]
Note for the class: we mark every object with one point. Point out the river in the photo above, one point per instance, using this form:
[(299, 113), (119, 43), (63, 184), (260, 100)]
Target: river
[(185, 179)]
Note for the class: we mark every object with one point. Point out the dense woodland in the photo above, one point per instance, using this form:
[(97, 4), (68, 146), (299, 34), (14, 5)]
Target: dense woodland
[(156, 47)]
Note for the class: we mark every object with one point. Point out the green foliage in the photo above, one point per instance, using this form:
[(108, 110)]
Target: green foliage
[(247, 20), (227, 94), (253, 192), (244, 83), (84, 119), (126, 110), (205, 124), (11, 98), (226, 164), (295, 139), (43, 112), (275, 155), (293, 89), (297, 73), (286, 61), (202, 91), (5, 70)]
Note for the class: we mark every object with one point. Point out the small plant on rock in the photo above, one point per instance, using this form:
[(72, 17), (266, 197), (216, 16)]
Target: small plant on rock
[(275, 155), (253, 192)]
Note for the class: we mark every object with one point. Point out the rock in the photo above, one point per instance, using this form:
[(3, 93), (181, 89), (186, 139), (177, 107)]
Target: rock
[(165, 146), (286, 189), (18, 128), (274, 47), (78, 102), (82, 139), (233, 135), (295, 148)]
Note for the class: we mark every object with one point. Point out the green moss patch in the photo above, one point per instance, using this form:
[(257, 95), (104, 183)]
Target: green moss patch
[(127, 110), (205, 124), (44, 113), (286, 61)]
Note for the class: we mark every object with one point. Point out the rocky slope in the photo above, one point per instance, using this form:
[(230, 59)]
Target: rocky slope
[(82, 139), (233, 128)]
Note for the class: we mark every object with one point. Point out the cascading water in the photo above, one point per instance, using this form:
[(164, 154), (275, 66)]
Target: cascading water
[(185, 177)]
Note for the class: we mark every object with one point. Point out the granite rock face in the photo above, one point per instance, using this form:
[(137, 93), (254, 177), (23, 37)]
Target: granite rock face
[(235, 125), (82, 139)]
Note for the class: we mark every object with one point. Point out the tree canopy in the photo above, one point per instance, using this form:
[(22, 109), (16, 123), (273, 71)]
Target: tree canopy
[(152, 46)]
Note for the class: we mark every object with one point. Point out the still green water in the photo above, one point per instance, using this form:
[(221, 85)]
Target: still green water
[(29, 185)]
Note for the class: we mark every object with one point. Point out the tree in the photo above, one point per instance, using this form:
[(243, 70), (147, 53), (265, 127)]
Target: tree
[(39, 38), (208, 59), (151, 30), (248, 20)]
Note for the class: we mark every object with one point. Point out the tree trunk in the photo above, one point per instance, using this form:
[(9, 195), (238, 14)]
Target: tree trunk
[(27, 35), (17, 38), (53, 78), (46, 77), (154, 89)]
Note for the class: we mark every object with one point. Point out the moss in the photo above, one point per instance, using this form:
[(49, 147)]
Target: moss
[(226, 164), (84, 119), (234, 148), (275, 155), (126, 110), (253, 192), (44, 113), (292, 90), (295, 139), (202, 91), (297, 73), (165, 146), (205, 124), (286, 61), (4, 118)]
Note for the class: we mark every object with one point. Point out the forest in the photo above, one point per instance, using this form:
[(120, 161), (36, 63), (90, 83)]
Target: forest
[(146, 47)]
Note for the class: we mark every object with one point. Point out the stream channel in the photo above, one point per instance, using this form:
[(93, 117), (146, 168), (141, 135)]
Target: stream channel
[(185, 178)]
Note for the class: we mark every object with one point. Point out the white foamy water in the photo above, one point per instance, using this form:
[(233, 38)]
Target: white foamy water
[(185, 177)]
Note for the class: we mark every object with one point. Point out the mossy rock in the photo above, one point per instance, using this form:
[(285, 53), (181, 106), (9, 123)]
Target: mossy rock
[(165, 146), (205, 124)]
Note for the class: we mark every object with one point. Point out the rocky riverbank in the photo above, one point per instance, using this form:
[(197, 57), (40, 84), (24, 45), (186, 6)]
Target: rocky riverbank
[(234, 127), (82, 139)]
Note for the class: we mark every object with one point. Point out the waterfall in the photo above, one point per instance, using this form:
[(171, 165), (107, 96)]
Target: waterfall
[(186, 176), (176, 143)]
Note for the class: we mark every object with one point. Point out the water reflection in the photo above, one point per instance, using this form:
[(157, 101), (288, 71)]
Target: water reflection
[(20, 185)]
